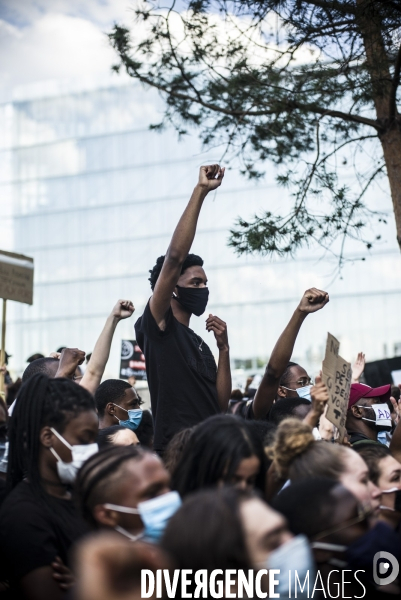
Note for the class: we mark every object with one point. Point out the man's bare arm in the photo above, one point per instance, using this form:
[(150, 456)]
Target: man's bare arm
[(312, 301), (223, 383), (210, 178), (100, 355)]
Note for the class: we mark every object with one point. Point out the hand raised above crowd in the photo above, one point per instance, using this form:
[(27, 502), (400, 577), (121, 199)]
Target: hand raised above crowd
[(358, 367), (313, 300), (210, 177), (123, 309), (70, 359)]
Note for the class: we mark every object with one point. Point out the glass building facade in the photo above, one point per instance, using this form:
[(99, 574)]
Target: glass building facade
[(93, 196)]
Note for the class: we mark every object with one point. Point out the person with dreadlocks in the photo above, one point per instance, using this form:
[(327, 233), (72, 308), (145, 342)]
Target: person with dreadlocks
[(52, 432), (126, 488), (185, 385)]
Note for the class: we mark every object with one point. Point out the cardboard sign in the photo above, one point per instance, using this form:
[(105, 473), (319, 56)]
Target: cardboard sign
[(132, 361), (16, 277), (337, 375)]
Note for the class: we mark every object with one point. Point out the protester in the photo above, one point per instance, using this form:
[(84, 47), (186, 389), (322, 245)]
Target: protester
[(282, 378), (234, 529), (127, 489), (297, 456), (116, 435), (52, 432), (221, 450), (339, 529), (385, 472), (117, 402), (369, 411), (185, 385)]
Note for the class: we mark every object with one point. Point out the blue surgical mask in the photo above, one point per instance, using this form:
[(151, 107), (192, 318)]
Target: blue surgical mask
[(134, 420), (294, 555), (304, 392), (155, 514), (384, 438)]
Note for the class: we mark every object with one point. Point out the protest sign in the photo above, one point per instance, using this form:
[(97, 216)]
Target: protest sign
[(337, 376), (132, 363), (16, 283), (16, 277)]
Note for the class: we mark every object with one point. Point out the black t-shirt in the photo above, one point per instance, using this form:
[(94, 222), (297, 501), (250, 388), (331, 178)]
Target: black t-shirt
[(181, 376), (32, 534)]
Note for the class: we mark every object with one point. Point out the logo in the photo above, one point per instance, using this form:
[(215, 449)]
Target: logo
[(385, 568), (127, 350)]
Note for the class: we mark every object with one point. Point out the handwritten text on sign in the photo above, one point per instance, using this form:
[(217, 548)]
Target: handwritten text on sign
[(337, 377), (16, 277)]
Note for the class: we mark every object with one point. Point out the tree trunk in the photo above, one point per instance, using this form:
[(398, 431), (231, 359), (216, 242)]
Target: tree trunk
[(391, 144), (378, 66)]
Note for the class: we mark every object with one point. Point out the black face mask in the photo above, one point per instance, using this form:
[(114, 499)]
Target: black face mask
[(193, 300)]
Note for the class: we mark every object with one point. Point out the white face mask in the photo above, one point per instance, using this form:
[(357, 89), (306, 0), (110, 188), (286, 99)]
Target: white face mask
[(382, 414), (67, 471)]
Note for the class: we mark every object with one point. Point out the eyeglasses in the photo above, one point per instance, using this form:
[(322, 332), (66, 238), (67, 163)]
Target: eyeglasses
[(363, 514), (303, 382)]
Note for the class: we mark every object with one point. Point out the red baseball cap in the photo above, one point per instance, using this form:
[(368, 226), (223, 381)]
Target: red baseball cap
[(360, 390)]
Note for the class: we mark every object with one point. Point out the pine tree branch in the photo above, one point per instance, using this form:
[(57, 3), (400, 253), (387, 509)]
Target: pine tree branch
[(333, 5), (289, 105)]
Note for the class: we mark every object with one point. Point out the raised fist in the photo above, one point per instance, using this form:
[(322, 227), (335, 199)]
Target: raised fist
[(313, 300)]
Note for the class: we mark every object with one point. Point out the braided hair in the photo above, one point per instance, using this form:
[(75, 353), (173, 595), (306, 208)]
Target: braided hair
[(192, 260), (41, 401), (96, 480), (213, 453)]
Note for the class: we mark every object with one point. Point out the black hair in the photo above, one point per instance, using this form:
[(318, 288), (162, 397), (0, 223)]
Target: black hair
[(372, 454), (145, 430), (40, 365), (263, 430), (96, 480), (105, 435), (35, 357), (308, 505), (192, 260), (42, 401), (207, 533), (110, 391), (395, 392), (214, 452), (175, 448), (285, 378), (285, 408)]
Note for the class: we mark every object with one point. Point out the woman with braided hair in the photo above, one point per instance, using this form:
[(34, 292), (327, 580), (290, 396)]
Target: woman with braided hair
[(53, 430)]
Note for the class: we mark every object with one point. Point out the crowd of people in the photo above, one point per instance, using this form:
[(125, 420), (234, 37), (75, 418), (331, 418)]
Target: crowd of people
[(94, 489)]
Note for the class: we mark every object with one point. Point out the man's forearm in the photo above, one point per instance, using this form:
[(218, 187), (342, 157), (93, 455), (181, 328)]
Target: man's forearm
[(100, 356), (223, 382), (284, 347), (184, 233), (277, 364)]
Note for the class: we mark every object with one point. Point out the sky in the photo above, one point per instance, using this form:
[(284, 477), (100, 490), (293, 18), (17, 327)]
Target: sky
[(48, 40)]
